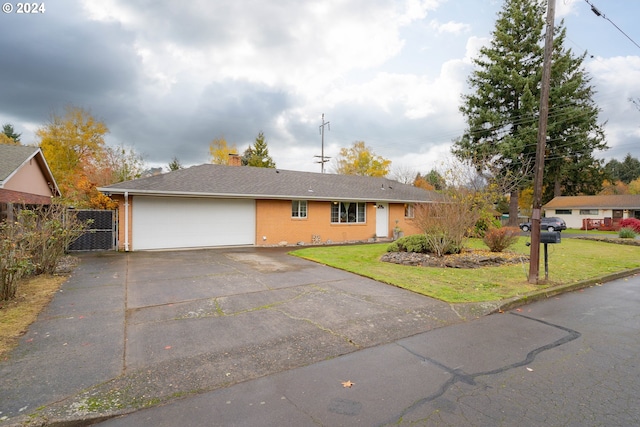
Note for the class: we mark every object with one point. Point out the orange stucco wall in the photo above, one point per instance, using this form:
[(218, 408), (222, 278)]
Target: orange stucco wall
[(274, 224), (396, 212)]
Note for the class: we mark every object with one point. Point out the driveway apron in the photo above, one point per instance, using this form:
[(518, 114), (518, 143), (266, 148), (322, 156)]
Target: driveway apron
[(131, 330)]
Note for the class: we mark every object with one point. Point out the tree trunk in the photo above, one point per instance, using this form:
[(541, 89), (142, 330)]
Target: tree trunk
[(513, 209), (557, 188)]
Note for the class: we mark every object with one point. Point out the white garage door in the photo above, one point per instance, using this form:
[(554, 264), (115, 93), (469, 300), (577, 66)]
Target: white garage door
[(173, 222)]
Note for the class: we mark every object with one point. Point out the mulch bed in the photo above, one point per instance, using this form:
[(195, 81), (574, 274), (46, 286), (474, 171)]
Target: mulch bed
[(465, 259)]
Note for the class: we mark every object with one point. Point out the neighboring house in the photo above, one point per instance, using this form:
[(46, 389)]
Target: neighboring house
[(594, 211), (214, 205), (25, 178)]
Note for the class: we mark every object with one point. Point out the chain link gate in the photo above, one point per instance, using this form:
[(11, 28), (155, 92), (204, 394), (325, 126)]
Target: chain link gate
[(102, 233)]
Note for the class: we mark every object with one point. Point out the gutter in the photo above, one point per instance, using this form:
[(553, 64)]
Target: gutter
[(126, 221), (309, 196)]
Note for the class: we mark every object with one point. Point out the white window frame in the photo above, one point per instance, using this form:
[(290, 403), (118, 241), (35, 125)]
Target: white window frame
[(409, 210), (299, 209), (343, 216)]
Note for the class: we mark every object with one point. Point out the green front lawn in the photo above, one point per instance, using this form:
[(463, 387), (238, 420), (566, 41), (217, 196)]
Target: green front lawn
[(571, 261)]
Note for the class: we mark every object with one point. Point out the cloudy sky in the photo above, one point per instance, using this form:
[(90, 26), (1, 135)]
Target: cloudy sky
[(167, 77)]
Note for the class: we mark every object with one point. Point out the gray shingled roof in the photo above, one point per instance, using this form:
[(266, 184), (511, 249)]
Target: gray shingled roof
[(263, 183), (621, 201), (12, 157)]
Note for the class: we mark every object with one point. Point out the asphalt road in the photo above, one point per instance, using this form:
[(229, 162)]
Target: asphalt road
[(568, 361)]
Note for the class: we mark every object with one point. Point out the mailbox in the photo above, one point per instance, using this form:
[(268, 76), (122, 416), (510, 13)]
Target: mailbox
[(550, 237)]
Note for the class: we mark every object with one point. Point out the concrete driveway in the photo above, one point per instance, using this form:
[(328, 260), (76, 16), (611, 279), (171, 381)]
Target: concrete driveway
[(132, 330)]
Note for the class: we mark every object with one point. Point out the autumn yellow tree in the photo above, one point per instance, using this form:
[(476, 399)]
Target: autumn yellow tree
[(525, 201), (4, 139), (613, 188), (71, 143), (361, 160), (420, 182), (634, 186), (219, 150)]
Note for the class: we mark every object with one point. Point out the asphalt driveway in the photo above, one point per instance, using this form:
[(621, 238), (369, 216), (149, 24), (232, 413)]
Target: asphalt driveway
[(132, 330)]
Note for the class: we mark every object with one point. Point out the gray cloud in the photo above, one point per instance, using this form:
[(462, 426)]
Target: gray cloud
[(168, 77)]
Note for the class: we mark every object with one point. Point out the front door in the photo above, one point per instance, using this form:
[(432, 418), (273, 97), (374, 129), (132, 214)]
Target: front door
[(382, 220)]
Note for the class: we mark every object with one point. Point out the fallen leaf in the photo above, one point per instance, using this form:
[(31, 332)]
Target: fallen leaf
[(347, 384)]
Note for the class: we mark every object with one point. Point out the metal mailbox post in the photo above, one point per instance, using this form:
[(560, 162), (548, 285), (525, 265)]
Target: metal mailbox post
[(547, 237)]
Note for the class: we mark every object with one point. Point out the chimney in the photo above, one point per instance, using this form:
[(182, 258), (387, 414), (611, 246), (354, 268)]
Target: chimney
[(235, 159)]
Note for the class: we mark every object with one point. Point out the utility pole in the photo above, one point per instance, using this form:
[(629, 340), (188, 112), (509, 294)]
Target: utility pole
[(323, 159), (534, 255)]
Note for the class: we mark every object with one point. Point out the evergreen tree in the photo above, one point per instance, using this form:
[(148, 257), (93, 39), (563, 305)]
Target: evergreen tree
[(503, 109), (8, 131), (258, 154), (175, 164), (501, 136), (629, 169), (573, 132)]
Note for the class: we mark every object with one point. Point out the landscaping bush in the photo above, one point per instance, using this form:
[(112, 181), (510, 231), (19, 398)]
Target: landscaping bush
[(446, 225), (49, 230), (631, 223), (34, 244), (485, 223), (14, 259), (499, 239), (627, 233), (413, 243)]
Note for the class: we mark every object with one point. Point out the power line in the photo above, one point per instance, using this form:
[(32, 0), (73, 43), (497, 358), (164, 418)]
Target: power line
[(597, 12)]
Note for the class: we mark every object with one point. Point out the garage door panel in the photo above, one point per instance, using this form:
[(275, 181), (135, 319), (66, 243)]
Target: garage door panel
[(164, 223)]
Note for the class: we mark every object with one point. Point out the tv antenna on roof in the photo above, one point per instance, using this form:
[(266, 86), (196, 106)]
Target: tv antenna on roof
[(322, 157)]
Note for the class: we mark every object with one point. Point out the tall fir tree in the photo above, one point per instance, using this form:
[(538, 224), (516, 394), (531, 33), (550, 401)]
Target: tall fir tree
[(500, 138), (503, 108), (573, 132)]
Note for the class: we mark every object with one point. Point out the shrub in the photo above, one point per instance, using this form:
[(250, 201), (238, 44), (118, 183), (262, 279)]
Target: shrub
[(34, 243), (446, 224), (49, 230), (631, 223), (413, 243), (627, 233), (499, 239), (485, 223), (14, 259)]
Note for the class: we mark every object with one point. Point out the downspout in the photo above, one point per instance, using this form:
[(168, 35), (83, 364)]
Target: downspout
[(126, 221)]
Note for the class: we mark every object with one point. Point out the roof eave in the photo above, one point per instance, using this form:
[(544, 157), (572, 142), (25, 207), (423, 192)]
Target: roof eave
[(138, 192)]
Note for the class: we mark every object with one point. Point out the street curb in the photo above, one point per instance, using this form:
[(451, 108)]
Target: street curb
[(561, 289)]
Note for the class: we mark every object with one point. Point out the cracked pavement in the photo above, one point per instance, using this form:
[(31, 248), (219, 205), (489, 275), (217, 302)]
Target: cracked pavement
[(128, 331), (251, 337), (566, 361)]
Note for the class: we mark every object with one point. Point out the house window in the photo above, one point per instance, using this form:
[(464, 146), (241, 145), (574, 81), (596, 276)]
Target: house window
[(563, 211), (588, 211), (298, 208), (408, 210), (349, 212)]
